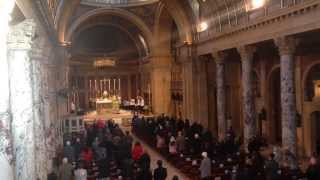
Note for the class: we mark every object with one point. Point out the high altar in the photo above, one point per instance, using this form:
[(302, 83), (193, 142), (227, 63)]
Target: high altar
[(108, 104)]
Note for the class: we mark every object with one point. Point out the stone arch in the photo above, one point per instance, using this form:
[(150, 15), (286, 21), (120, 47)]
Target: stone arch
[(109, 11), (273, 109), (179, 16), (162, 31)]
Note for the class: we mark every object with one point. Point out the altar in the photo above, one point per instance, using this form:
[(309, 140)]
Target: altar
[(103, 105)]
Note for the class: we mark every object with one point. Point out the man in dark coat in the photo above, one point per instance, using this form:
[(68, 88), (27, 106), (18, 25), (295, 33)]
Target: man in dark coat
[(145, 161), (271, 168), (160, 173)]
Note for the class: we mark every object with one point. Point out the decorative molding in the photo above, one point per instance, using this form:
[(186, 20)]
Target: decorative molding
[(246, 52), (219, 56), (286, 45)]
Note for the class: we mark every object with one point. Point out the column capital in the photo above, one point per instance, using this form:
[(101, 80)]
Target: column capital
[(219, 56), (246, 52), (21, 35), (286, 45)]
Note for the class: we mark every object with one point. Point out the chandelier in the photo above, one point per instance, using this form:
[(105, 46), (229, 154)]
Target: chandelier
[(104, 62)]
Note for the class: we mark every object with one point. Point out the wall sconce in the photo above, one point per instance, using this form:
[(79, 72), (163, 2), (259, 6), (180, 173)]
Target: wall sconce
[(203, 26)]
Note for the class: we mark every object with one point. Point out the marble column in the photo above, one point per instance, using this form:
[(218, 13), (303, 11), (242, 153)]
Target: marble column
[(21, 99), (39, 54), (286, 46), (249, 115), (219, 58), (6, 151)]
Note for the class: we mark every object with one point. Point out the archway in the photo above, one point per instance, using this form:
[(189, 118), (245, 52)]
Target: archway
[(311, 108), (315, 131), (274, 112), (311, 80)]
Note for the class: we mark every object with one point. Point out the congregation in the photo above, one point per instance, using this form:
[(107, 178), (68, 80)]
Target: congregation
[(104, 152), (196, 152)]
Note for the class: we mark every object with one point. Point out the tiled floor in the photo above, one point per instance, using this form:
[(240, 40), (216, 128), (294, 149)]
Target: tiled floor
[(156, 156)]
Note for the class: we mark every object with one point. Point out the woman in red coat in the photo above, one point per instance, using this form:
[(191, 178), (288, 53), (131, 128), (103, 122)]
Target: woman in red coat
[(87, 156), (137, 151)]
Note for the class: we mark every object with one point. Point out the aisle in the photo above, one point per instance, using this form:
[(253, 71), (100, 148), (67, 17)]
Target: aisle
[(156, 156)]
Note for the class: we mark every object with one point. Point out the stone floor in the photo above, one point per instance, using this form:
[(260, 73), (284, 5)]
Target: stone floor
[(156, 156)]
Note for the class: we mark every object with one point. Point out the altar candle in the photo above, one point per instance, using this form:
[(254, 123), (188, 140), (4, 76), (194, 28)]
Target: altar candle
[(95, 88), (114, 86), (109, 85), (119, 86), (90, 88), (100, 85)]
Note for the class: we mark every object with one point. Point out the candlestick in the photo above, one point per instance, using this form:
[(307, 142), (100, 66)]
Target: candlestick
[(109, 85), (114, 86), (119, 87)]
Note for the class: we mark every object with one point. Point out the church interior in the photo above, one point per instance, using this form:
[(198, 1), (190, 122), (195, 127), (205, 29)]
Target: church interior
[(160, 89)]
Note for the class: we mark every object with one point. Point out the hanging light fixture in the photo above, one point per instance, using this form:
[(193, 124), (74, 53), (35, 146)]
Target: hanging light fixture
[(255, 4)]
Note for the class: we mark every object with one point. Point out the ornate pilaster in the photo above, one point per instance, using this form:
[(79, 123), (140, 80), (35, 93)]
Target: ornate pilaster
[(219, 58), (286, 46), (249, 114), (6, 146), (202, 91), (21, 99)]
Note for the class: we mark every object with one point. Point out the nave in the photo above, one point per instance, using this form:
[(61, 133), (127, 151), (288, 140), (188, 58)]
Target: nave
[(213, 79)]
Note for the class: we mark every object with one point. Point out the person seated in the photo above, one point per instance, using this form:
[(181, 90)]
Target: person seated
[(137, 151), (313, 170), (160, 173)]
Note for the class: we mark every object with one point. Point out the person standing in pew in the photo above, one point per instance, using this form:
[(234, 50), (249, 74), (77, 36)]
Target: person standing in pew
[(205, 167), (160, 173), (80, 173), (313, 170), (271, 168)]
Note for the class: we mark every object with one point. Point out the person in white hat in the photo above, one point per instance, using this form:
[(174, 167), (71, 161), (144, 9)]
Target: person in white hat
[(205, 167)]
